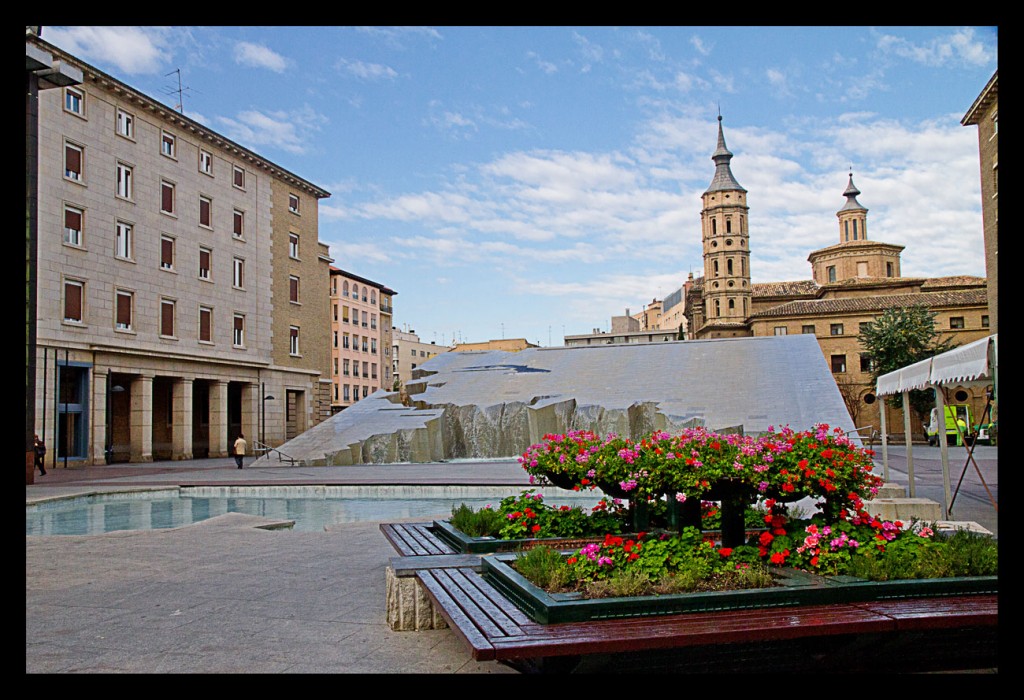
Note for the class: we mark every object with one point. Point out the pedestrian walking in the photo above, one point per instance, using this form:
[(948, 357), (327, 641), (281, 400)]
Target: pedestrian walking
[(40, 448), (239, 449)]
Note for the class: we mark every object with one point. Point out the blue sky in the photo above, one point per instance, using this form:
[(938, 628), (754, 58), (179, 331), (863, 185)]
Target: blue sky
[(531, 182)]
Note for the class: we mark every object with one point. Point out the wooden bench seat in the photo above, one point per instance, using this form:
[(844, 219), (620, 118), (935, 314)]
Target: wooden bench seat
[(414, 539), (847, 636)]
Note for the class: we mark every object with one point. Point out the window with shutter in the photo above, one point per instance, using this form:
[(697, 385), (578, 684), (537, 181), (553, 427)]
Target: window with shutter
[(124, 311), (73, 226), (167, 317), (73, 159), (205, 324), (167, 197), (73, 301), (204, 212), (166, 253)]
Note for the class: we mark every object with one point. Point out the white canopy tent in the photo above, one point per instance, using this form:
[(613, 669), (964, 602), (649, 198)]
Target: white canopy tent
[(974, 363)]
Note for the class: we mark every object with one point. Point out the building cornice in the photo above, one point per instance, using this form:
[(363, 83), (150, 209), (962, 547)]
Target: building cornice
[(984, 100)]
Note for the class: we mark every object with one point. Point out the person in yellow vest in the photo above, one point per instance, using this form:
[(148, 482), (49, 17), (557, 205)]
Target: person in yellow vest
[(239, 450)]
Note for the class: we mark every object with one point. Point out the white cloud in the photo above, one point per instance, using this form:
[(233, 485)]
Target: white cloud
[(133, 50), (702, 48), (959, 47), (366, 71), (545, 66), (289, 131), (258, 56)]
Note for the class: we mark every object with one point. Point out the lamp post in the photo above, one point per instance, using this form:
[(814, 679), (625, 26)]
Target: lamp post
[(263, 414)]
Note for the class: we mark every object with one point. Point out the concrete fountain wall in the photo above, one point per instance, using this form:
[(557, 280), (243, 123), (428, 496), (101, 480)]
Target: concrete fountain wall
[(495, 404)]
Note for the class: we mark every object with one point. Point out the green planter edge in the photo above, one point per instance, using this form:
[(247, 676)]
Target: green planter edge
[(795, 588)]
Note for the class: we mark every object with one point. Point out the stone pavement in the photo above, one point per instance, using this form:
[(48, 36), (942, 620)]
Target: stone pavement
[(223, 596)]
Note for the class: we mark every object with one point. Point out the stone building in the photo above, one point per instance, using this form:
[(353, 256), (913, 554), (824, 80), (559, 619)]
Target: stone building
[(361, 314), (507, 344), (985, 114), (164, 259), (852, 283), (409, 352)]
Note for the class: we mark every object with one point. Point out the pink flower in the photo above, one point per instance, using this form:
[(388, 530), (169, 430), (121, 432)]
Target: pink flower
[(681, 497)]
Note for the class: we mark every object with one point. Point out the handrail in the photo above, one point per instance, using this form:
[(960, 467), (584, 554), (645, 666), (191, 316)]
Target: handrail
[(266, 449), (872, 435)]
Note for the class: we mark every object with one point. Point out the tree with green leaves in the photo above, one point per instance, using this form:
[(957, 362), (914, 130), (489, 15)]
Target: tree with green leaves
[(899, 337)]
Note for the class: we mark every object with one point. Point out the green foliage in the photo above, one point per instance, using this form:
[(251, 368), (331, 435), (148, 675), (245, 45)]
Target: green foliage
[(485, 522), (541, 564), (899, 337)]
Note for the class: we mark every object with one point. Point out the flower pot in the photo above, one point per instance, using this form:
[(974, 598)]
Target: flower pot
[(561, 480)]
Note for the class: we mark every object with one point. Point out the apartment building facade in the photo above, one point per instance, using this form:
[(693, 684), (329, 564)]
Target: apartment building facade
[(163, 251), (409, 352), (361, 337)]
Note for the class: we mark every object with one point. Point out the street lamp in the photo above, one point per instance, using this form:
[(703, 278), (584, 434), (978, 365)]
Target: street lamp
[(263, 418)]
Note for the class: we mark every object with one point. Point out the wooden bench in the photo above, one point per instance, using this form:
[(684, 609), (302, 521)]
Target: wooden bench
[(414, 539), (954, 632)]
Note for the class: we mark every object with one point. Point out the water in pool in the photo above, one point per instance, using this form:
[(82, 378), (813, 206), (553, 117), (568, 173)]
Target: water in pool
[(312, 508)]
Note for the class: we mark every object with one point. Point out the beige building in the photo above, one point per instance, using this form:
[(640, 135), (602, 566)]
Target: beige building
[(361, 337), (161, 268), (409, 352), (599, 337), (853, 282), (985, 114), (506, 344)]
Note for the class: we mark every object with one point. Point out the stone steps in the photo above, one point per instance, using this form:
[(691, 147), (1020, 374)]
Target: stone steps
[(891, 503)]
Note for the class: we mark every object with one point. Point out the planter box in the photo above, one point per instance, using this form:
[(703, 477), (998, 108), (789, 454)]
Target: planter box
[(463, 543), (793, 588)]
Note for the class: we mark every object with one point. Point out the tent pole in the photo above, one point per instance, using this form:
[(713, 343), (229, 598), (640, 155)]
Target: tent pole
[(885, 441), (940, 410), (909, 440)]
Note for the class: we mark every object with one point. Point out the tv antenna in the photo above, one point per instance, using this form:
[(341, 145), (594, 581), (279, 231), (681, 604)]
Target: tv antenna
[(179, 91)]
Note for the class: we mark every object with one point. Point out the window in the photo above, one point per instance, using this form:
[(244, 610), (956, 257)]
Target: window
[(780, 330), (166, 197), (344, 340), (239, 273), (355, 369), (125, 124), (293, 203), (364, 344), (863, 326), (344, 289), (168, 145), (293, 289), (364, 299), (373, 321), (728, 266), (413, 353), (956, 322), (715, 264), (345, 370), (167, 318), (808, 329), (74, 161), (423, 353), (205, 162), (373, 345), (835, 329), (335, 307), (728, 224), (831, 271), (373, 297), (373, 371), (366, 390), (239, 178), (74, 295), (293, 247), (205, 260), (293, 340), (335, 338), (365, 323), (74, 101), (166, 253), (344, 392), (72, 225), (838, 364), (344, 314), (888, 269), (865, 363), (124, 181), (238, 224), (238, 331), (205, 212), (984, 321), (846, 229), (205, 324), (123, 241), (366, 371), (123, 310)]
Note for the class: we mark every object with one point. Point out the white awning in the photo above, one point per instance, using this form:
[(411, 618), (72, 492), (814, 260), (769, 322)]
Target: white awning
[(965, 363)]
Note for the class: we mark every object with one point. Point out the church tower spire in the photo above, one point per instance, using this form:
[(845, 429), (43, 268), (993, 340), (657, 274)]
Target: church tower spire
[(726, 287), (853, 217)]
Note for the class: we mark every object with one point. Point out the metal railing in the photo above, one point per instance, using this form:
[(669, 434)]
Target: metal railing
[(264, 449), (872, 434)]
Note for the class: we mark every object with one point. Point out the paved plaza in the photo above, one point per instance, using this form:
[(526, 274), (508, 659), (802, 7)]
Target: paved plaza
[(224, 596)]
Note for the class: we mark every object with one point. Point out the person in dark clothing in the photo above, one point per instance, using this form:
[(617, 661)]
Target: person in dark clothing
[(40, 455)]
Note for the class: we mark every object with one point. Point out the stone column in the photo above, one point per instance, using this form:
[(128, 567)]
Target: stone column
[(218, 419), (142, 419), (100, 406), (181, 419), (250, 414)]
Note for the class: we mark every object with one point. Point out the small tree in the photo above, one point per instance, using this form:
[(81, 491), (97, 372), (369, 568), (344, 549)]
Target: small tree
[(899, 337)]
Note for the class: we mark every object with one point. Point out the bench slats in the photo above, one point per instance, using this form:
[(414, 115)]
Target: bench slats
[(495, 629), (414, 539)]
